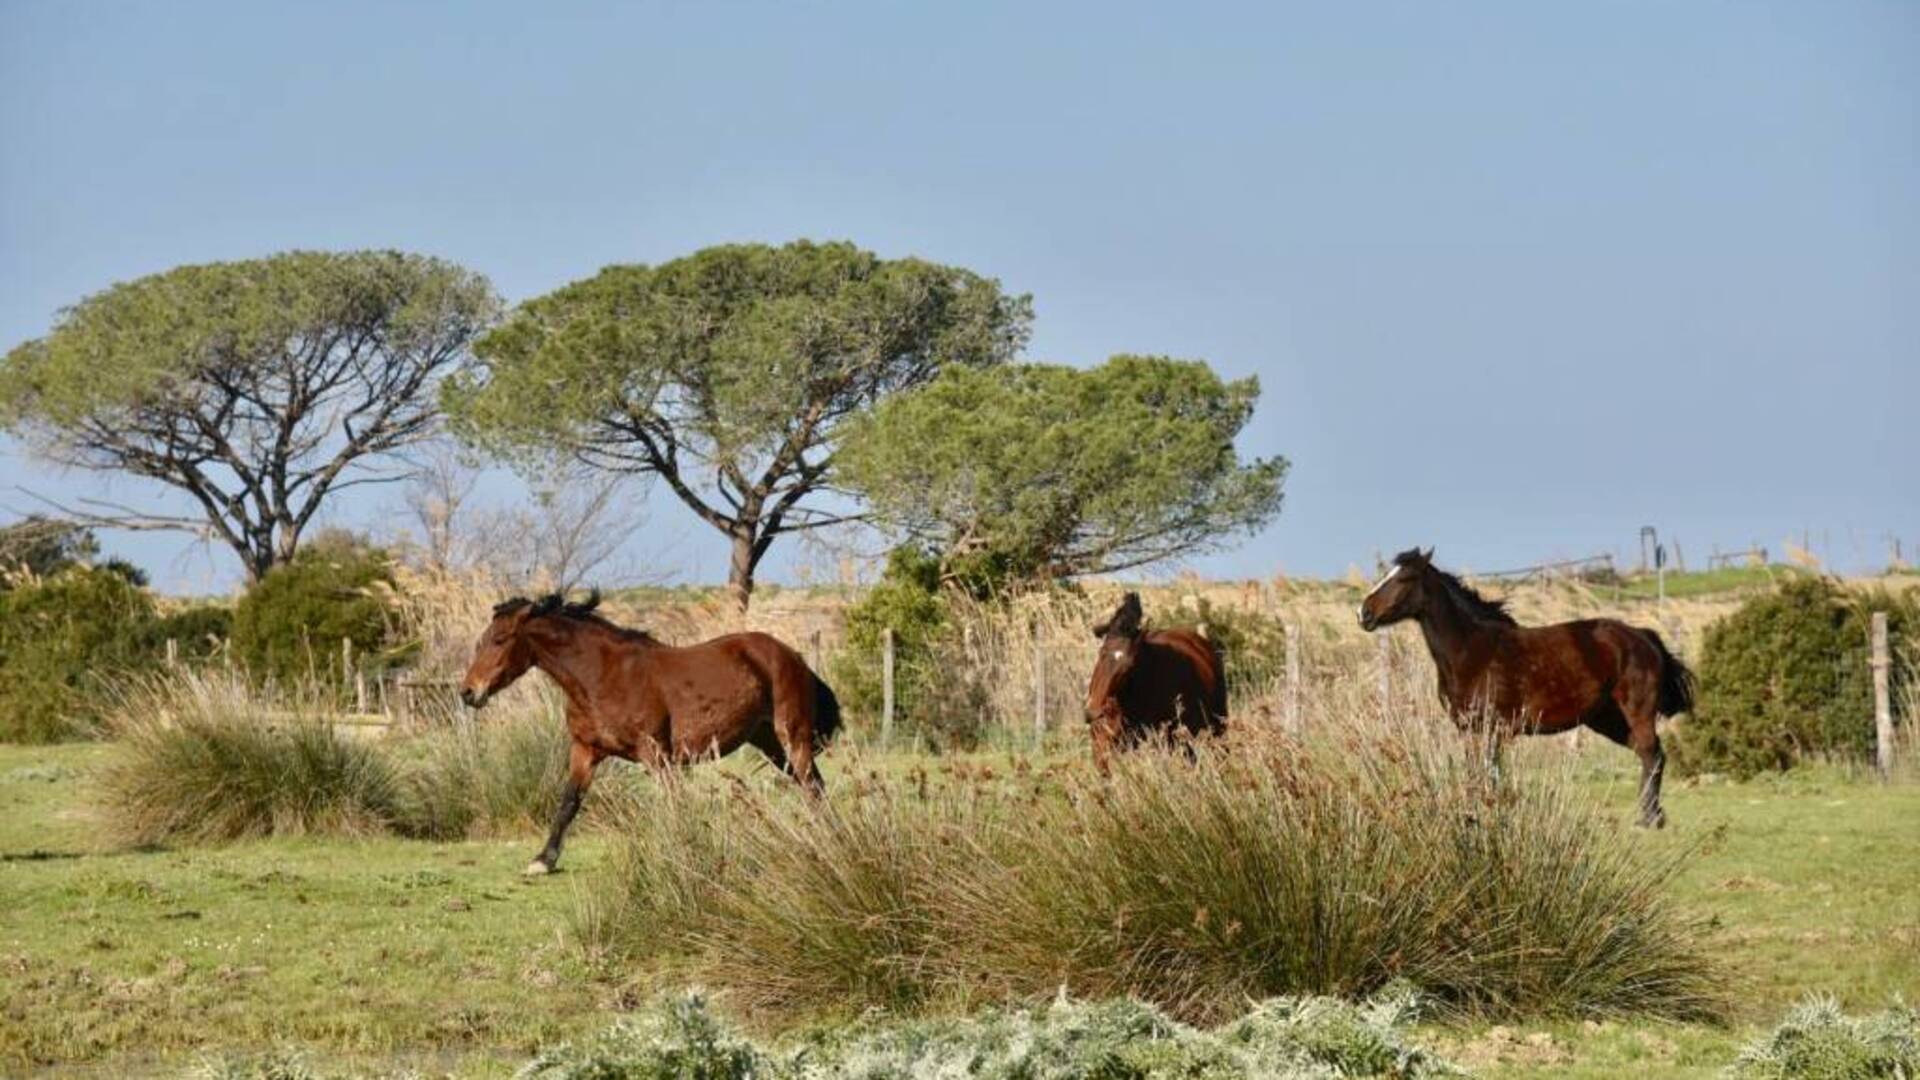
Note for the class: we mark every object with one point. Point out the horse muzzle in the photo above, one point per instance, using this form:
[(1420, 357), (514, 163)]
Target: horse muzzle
[(473, 699), (1368, 622)]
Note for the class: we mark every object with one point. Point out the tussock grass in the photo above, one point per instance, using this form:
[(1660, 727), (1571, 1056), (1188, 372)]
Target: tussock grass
[(206, 757), (1336, 864), (497, 776), (198, 763)]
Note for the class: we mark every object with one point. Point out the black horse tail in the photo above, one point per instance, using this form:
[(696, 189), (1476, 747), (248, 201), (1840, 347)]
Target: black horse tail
[(826, 713), (1676, 680)]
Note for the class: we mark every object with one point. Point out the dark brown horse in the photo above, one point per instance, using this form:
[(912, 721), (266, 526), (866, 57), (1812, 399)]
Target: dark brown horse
[(1538, 680), (629, 696), (1151, 683)]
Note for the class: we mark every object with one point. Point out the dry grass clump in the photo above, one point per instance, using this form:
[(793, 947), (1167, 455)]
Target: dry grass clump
[(199, 761), (1336, 864), (206, 757)]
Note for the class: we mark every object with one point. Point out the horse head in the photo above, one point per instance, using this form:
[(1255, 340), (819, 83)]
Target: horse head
[(1119, 635), (1401, 593), (503, 652)]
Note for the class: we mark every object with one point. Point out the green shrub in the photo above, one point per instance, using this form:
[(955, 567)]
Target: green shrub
[(199, 632), (1816, 1041), (289, 625), (1253, 645), (909, 601), (40, 546), (1786, 677), (62, 639), (1259, 870)]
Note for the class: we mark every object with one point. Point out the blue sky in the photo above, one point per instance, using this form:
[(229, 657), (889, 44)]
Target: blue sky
[(1517, 278)]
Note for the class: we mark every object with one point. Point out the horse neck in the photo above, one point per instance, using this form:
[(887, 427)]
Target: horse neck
[(558, 644), (1448, 628)]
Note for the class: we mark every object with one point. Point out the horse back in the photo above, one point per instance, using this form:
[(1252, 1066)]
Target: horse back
[(1187, 666), (1554, 675)]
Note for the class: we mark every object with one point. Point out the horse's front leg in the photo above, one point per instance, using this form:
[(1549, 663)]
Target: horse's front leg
[(581, 760)]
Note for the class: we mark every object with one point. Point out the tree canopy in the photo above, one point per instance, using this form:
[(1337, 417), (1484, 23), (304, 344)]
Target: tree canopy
[(728, 373), (258, 388), (1054, 471)]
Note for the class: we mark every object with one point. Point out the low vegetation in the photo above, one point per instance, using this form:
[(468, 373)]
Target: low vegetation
[(1335, 865), (1818, 1041), (203, 758), (382, 955), (1307, 1038)]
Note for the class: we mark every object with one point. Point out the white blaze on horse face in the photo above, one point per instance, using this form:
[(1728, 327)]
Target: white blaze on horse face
[(1377, 586), (1119, 654)]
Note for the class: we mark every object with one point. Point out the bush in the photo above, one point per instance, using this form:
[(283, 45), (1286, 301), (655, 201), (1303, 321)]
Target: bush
[(1786, 677), (199, 632), (1117, 1040), (40, 546), (61, 639), (1253, 645), (289, 625), (205, 757), (496, 775), (1335, 865), (1817, 1041), (196, 762), (928, 698)]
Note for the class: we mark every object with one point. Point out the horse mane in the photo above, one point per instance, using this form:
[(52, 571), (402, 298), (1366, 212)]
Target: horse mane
[(586, 611), (1475, 605)]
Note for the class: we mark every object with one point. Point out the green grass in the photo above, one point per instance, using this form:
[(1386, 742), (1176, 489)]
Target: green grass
[(1726, 579), (384, 951)]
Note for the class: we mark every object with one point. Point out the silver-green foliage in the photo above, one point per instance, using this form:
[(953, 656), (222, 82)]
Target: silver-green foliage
[(1817, 1041), (1281, 1039)]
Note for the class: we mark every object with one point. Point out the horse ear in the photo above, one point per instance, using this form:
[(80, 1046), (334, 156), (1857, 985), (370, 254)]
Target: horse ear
[(1126, 621), (1100, 628), (1427, 557)]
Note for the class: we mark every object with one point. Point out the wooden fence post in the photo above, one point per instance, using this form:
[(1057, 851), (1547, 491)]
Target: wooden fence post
[(1384, 643), (173, 653), (346, 659), (1039, 690), (1882, 701), (1293, 677), (886, 686)]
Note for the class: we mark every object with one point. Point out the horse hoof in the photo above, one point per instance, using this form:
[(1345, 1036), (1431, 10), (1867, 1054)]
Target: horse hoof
[(535, 869)]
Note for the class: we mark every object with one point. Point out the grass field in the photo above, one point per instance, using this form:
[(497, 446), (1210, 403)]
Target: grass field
[(382, 952)]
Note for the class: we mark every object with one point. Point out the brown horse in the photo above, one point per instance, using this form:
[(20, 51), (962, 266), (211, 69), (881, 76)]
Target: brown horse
[(1538, 680), (1151, 683), (629, 696)]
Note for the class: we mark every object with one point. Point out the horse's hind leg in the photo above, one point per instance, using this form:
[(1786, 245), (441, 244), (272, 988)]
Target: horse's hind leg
[(580, 762), (1653, 766), (1636, 712)]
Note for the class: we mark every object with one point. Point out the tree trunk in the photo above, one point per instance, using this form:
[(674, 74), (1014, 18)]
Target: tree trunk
[(740, 568)]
